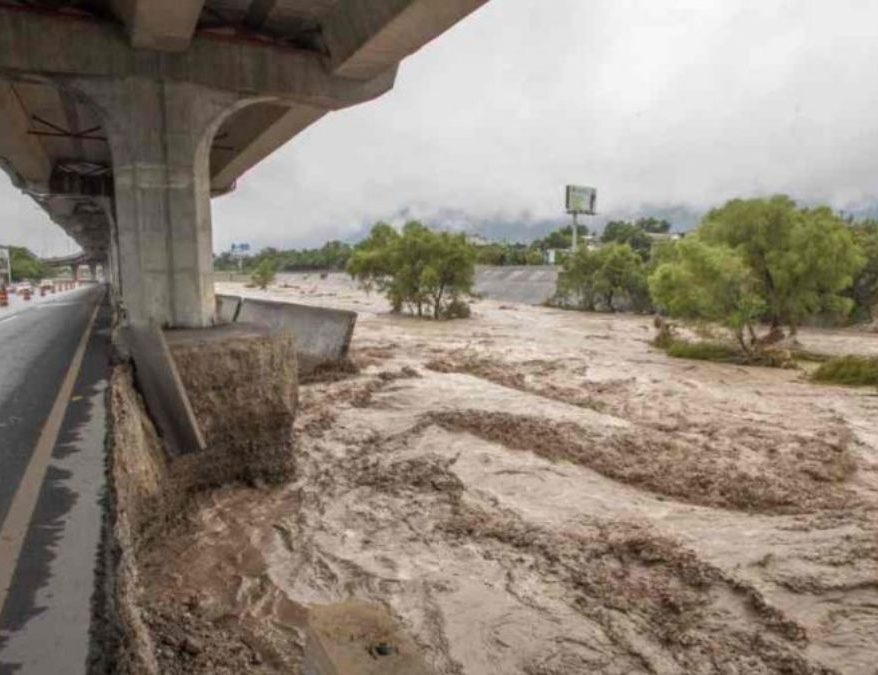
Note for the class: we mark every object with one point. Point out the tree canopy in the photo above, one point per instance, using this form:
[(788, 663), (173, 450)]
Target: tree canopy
[(264, 273), (598, 279), (864, 290), (26, 265), (636, 234), (418, 268), (710, 283), (801, 259)]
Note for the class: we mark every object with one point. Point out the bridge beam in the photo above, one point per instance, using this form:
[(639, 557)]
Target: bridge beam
[(29, 47), (366, 38), (21, 154), (163, 25), (257, 132)]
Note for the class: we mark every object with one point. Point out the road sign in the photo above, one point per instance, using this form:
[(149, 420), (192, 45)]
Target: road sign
[(240, 248), (581, 199)]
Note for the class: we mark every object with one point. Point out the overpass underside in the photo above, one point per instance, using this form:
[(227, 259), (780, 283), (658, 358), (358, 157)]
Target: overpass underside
[(122, 118)]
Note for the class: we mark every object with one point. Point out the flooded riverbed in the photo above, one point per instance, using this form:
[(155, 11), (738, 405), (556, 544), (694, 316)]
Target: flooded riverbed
[(540, 492)]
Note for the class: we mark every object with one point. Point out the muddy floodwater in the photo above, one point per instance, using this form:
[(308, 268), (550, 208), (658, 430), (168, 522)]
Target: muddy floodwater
[(541, 492)]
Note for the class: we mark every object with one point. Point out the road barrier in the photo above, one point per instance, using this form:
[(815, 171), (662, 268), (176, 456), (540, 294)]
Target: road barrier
[(227, 308), (4, 297), (323, 335)]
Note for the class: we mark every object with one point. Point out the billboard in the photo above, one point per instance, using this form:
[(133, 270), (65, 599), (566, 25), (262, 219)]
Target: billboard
[(581, 199)]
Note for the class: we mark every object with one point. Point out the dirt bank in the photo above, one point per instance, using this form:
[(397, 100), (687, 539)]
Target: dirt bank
[(540, 492)]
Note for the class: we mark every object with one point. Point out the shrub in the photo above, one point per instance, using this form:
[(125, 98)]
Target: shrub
[(704, 351), (264, 273), (850, 370), (457, 309)]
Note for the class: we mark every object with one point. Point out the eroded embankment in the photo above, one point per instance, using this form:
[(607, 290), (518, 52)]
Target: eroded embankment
[(230, 383), (579, 506)]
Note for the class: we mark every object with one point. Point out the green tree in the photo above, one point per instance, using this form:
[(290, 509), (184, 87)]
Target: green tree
[(621, 273), (264, 273), (576, 283), (592, 279), (654, 225), (864, 290), (450, 271), (801, 259), (623, 232), (26, 265), (710, 283), (424, 270), (561, 238)]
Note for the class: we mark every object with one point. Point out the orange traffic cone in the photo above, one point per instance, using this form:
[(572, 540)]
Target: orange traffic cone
[(4, 296)]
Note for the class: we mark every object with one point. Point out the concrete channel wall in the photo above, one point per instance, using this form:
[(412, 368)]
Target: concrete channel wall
[(323, 335), (527, 284)]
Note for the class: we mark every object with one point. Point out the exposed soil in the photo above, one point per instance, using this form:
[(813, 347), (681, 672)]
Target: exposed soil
[(541, 492)]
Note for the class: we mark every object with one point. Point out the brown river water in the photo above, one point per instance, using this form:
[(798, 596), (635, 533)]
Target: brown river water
[(541, 492)]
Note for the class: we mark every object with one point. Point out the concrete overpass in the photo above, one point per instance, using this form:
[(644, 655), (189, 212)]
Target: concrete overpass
[(122, 118)]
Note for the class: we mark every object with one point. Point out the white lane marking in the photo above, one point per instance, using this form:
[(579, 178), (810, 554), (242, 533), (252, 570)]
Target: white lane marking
[(9, 318), (14, 528)]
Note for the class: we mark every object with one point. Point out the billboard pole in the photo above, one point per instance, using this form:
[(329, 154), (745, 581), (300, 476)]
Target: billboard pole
[(579, 199)]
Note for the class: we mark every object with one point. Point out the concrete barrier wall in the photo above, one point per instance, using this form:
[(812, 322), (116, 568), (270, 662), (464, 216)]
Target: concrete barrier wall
[(527, 284), (227, 307), (237, 277), (322, 334)]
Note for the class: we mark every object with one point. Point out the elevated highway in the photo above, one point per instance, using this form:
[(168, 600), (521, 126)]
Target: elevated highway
[(122, 118)]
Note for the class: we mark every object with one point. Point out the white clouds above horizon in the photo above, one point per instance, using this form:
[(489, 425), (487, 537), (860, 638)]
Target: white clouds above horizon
[(684, 102)]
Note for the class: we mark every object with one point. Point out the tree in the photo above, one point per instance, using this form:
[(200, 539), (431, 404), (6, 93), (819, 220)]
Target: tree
[(622, 232), (621, 273), (593, 279), (424, 270), (801, 259), (654, 225), (577, 279), (710, 283), (864, 290), (25, 265), (449, 272), (561, 238), (264, 273)]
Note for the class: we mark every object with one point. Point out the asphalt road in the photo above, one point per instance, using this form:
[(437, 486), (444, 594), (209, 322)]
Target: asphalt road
[(45, 616), (36, 345)]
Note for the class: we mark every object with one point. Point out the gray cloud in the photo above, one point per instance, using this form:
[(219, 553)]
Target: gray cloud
[(679, 103)]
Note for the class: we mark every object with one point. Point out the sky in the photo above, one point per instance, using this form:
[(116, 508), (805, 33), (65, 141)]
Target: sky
[(665, 106)]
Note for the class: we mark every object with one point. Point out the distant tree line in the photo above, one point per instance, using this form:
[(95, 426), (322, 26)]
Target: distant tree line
[(26, 265), (749, 264), (333, 255)]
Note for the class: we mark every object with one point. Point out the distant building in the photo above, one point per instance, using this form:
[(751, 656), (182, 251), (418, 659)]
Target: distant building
[(665, 236), (477, 240)]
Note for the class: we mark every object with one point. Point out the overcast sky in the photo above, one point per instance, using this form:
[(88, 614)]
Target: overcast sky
[(658, 103)]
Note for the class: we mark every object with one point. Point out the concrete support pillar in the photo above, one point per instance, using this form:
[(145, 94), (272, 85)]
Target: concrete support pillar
[(75, 270), (93, 271), (160, 134)]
